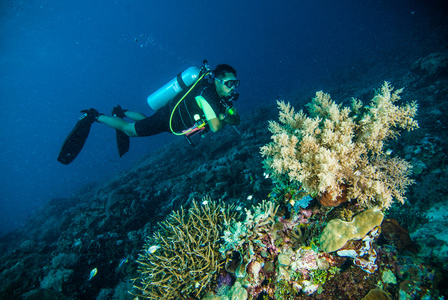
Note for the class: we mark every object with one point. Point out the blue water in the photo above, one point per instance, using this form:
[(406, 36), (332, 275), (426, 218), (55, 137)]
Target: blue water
[(58, 57)]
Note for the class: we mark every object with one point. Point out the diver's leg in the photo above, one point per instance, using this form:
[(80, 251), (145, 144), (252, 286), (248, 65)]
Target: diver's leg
[(117, 111), (143, 126), (118, 123), (134, 115)]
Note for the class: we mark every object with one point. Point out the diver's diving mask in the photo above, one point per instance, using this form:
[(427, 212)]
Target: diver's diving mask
[(230, 83)]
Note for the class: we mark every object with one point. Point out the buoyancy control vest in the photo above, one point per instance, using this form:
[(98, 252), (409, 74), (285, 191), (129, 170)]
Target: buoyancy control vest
[(188, 112)]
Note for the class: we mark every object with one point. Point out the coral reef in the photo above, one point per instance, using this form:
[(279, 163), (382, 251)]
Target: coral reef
[(104, 225), (433, 236), (268, 255), (363, 253), (342, 146), (435, 64), (337, 232), (256, 225), (272, 253), (55, 279), (270, 263), (377, 294), (395, 234), (182, 257)]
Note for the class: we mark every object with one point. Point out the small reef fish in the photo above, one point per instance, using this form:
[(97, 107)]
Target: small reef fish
[(93, 273), (123, 261), (152, 249), (249, 197), (205, 202), (389, 151)]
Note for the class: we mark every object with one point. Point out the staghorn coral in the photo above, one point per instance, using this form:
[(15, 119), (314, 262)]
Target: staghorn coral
[(339, 146), (181, 258)]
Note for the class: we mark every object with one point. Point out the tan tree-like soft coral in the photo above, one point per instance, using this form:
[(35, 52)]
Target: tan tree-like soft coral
[(336, 146)]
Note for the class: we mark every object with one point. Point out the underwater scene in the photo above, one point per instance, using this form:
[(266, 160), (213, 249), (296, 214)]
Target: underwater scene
[(329, 180)]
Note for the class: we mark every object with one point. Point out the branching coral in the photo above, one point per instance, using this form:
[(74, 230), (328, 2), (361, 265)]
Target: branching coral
[(339, 146), (255, 227), (181, 258), (254, 242)]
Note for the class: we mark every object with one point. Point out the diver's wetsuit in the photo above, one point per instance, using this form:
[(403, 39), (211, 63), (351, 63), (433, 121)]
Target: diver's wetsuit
[(206, 107)]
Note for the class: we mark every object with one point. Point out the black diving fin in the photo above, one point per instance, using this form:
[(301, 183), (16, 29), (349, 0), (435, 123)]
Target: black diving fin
[(122, 142), (76, 139), (122, 138)]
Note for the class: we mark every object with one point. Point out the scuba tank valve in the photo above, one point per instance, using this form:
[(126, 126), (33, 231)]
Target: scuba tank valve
[(206, 67)]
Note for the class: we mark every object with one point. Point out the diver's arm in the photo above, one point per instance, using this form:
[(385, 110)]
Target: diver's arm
[(215, 124), (218, 123)]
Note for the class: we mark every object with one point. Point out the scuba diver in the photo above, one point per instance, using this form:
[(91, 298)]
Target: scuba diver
[(187, 105)]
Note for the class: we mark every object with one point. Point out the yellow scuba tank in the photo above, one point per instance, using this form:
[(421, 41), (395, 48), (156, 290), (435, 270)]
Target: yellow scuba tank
[(180, 83)]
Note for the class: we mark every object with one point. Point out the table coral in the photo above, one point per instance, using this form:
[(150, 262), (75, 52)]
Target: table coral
[(338, 145)]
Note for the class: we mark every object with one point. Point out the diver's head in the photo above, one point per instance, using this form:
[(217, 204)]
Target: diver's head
[(225, 80)]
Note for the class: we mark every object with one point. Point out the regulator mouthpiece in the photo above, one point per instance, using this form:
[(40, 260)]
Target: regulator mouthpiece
[(233, 96)]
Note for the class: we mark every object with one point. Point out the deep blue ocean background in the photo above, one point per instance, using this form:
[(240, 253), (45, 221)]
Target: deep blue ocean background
[(59, 57)]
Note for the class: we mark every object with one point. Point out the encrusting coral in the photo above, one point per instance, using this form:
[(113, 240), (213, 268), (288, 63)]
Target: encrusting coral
[(342, 146), (377, 294), (181, 258), (337, 232)]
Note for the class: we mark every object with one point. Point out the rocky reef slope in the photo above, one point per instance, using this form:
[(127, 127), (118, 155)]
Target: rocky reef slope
[(101, 229)]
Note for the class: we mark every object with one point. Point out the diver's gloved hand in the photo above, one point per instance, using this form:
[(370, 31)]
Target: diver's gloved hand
[(90, 114), (117, 111)]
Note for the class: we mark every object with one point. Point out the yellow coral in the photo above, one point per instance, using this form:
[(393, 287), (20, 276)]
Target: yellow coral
[(338, 145), (180, 260), (377, 294), (337, 232)]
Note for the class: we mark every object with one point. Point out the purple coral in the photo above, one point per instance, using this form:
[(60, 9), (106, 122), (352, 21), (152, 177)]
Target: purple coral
[(301, 218), (225, 281)]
